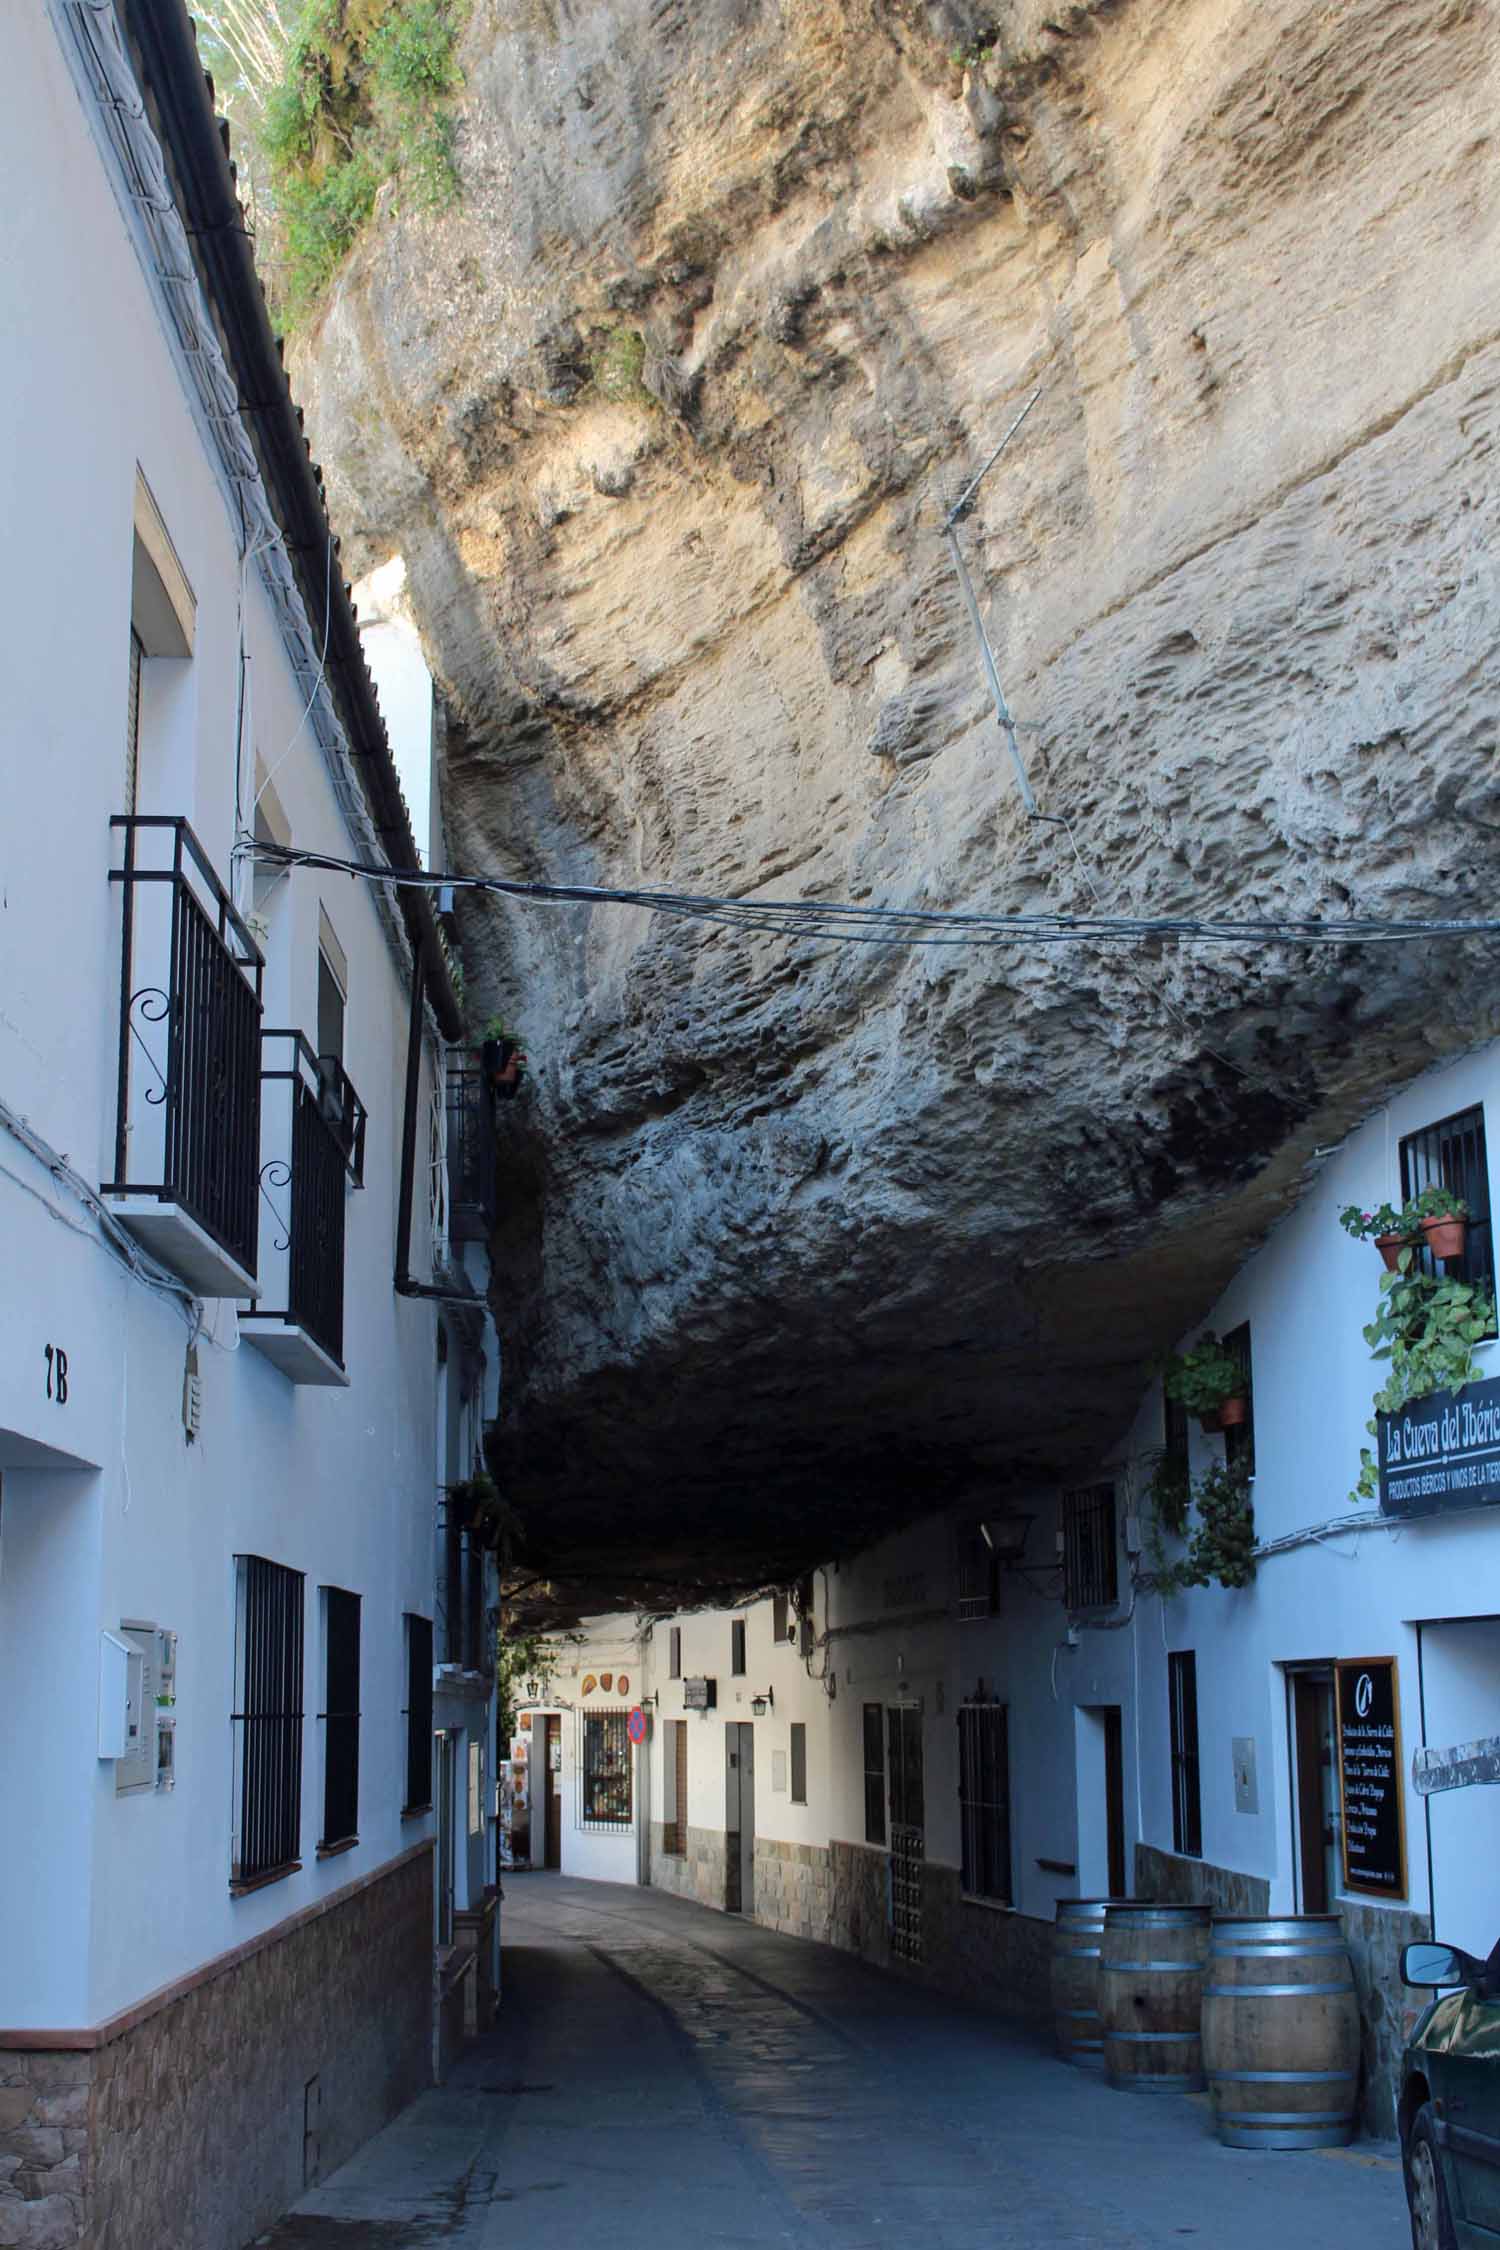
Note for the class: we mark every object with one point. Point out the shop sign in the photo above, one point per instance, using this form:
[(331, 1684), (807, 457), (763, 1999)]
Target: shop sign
[(1370, 1778), (700, 1695), (1441, 1452)]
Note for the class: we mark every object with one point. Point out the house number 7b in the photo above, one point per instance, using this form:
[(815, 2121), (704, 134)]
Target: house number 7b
[(57, 1374)]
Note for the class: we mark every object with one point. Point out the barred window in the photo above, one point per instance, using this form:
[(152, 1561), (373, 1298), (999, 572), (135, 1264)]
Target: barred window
[(984, 1800), (418, 1714), (606, 1771), (978, 1574), (1451, 1154), (267, 1720), (1090, 1561), (1182, 1690), (874, 1774), (799, 1763), (340, 1716)]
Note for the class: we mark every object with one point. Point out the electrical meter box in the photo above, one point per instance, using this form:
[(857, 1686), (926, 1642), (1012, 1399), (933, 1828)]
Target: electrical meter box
[(138, 1705)]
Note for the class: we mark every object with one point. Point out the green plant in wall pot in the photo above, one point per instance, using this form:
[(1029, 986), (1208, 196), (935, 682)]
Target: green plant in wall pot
[(1427, 1327), (1208, 1381), (1384, 1226), (1221, 1545)]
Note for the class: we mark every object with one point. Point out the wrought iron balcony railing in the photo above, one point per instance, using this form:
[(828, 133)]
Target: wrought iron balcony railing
[(472, 1156), (187, 1119), (313, 1124)]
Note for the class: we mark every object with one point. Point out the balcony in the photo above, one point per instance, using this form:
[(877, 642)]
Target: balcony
[(472, 1158), (187, 1117), (313, 1123)]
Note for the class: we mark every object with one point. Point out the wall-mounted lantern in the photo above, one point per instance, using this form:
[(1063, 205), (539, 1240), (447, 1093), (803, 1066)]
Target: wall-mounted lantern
[(761, 1704), (1006, 1535)]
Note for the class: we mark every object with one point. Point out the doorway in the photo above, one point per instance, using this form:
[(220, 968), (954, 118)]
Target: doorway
[(1099, 1743), (739, 1818), (1315, 1792), (552, 1792), (908, 1828)]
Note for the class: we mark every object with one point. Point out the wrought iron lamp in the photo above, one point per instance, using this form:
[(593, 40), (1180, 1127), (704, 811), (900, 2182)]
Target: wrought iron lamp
[(1006, 1535), (761, 1704)]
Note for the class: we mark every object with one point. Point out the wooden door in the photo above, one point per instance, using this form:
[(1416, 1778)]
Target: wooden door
[(1316, 1804), (552, 1790)]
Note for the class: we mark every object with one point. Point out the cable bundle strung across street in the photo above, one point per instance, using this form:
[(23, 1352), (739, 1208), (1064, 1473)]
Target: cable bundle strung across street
[(903, 925)]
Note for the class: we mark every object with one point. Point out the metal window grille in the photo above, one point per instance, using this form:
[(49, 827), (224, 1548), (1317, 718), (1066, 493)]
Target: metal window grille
[(438, 1222), (1182, 1690), (1451, 1154), (874, 1719), (606, 1771), (340, 1716), (978, 1574), (316, 1302), (799, 1763), (737, 1645), (1239, 1438), (674, 1653), (472, 1155), (674, 1835), (908, 1830), (187, 1112), (984, 1800), (418, 1713), (268, 1721), (1090, 1560)]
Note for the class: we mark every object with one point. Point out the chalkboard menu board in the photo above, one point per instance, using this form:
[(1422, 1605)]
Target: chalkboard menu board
[(1370, 1776)]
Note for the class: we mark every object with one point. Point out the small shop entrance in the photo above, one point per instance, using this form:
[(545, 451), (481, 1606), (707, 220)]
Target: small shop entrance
[(1315, 1786), (552, 1789), (739, 1818)]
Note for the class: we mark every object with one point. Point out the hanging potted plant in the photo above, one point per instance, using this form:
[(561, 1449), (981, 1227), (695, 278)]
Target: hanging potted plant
[(1386, 1227), (1443, 1218), (501, 1059), (1209, 1382)]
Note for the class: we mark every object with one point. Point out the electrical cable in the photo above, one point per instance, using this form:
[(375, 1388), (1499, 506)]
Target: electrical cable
[(901, 925)]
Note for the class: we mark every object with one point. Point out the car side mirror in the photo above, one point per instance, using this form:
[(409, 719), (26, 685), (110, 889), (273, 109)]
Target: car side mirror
[(1438, 1965)]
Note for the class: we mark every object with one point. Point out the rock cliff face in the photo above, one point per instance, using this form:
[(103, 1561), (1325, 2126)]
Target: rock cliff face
[(665, 418)]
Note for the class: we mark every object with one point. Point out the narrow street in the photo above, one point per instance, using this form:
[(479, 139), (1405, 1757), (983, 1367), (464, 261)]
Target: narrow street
[(662, 2074)]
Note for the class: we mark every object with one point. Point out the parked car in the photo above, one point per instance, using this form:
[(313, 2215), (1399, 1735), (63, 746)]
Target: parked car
[(1450, 2100)]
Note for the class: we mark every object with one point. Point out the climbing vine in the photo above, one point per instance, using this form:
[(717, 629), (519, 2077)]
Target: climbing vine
[(1426, 1327)]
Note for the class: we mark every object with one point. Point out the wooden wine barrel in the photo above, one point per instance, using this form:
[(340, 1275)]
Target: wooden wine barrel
[(1281, 2032), (1076, 1937), (1151, 1996)]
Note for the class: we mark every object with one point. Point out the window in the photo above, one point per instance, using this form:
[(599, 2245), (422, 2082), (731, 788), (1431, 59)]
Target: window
[(779, 1612), (340, 1717), (163, 613), (1090, 1561), (674, 1828), (418, 1714), (874, 1774), (333, 987), (674, 1653), (606, 1763), (1239, 1437), (737, 1645), (267, 1721), (1451, 1154), (799, 1763), (978, 1574), (984, 1800), (1182, 1691)]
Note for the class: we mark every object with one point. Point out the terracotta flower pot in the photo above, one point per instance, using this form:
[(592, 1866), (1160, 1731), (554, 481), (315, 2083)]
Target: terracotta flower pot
[(1391, 1246), (1445, 1237), (1212, 1420), (1233, 1412)]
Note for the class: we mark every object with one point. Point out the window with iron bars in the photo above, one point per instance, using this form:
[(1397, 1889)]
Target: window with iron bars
[(1451, 1154), (418, 1714), (978, 1574), (874, 1717), (1090, 1558), (267, 1720), (984, 1800), (340, 1716), (606, 1771), (1182, 1691)]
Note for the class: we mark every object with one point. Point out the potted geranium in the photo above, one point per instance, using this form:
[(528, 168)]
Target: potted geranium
[(1209, 1382), (1385, 1226), (1443, 1218)]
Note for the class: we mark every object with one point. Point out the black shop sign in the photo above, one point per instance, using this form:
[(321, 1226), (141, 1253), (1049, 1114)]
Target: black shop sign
[(1373, 1823), (1441, 1452)]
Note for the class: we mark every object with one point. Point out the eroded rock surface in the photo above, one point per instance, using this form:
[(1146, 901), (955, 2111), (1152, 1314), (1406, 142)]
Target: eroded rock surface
[(665, 418)]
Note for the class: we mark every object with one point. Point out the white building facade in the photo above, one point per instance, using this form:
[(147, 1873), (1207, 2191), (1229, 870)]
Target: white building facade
[(244, 1346), (927, 1747)]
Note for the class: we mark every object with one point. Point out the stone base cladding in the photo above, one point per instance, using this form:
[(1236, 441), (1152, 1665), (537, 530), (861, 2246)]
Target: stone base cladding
[(697, 1873), (986, 1952), (794, 1888), (188, 2121), (1374, 1934)]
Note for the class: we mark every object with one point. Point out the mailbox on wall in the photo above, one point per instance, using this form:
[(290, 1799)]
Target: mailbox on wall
[(700, 1695)]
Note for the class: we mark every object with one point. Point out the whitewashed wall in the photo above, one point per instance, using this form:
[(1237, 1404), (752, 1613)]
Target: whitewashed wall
[(109, 1898)]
